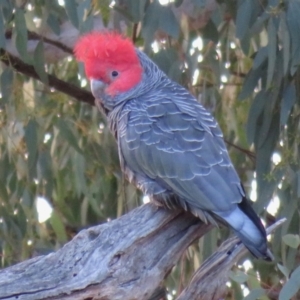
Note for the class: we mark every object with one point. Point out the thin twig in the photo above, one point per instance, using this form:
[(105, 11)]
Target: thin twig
[(249, 153), (134, 32), (34, 36), (60, 85)]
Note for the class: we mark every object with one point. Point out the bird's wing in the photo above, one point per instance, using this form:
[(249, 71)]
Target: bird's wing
[(179, 145)]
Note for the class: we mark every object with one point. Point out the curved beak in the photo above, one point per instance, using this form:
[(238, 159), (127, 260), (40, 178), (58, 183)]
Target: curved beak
[(97, 88)]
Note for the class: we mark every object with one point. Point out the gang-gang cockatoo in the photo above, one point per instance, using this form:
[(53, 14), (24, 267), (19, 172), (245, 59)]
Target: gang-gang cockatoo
[(169, 144)]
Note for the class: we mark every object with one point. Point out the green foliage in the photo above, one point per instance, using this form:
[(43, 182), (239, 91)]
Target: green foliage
[(240, 58), (291, 287)]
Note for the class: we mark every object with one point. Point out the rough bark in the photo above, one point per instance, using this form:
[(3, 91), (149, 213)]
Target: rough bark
[(209, 281), (123, 259)]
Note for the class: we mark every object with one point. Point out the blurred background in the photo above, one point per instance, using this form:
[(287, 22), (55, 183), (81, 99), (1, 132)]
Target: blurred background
[(59, 168)]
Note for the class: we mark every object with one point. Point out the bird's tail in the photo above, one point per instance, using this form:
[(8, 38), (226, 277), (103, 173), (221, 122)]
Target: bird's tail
[(249, 228)]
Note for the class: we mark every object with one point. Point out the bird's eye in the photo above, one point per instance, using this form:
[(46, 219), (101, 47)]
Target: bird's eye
[(114, 73)]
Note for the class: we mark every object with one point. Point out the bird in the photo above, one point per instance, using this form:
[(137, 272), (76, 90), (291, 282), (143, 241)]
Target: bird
[(169, 145)]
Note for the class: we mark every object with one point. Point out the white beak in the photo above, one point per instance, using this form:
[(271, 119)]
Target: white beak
[(97, 87)]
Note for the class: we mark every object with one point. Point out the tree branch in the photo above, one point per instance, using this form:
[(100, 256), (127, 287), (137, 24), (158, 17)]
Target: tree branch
[(209, 281), (128, 257), (60, 85), (34, 36), (125, 259), (249, 153)]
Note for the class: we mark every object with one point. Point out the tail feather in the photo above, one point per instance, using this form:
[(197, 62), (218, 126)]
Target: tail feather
[(247, 209), (249, 228)]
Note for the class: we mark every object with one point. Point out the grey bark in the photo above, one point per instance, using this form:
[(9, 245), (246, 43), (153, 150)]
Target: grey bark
[(124, 259), (209, 281)]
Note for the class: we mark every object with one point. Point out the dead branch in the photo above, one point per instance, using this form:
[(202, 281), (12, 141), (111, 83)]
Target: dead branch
[(209, 281), (124, 259)]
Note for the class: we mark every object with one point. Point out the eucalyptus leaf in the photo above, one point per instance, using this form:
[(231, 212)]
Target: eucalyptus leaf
[(3, 192), (7, 8), (255, 294), (21, 34), (79, 176), (245, 43), (20, 219), (291, 287), (272, 49), (39, 62), (58, 227), (264, 152), (32, 147), (135, 9), (27, 199), (44, 166), (255, 112), (284, 270), (168, 22), (85, 19), (289, 99), (151, 21), (165, 59), (264, 126), (87, 25), (260, 57), (293, 22), (291, 254), (210, 32), (71, 9), (258, 24), (298, 183), (2, 30), (238, 276), (243, 18), (214, 64), (53, 23), (82, 9), (286, 41), (266, 187), (6, 83), (292, 240), (67, 134), (250, 83)]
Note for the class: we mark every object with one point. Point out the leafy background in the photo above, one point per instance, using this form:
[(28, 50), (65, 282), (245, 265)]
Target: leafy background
[(239, 58)]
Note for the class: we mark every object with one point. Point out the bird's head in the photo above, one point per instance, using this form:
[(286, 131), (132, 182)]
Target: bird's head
[(111, 63)]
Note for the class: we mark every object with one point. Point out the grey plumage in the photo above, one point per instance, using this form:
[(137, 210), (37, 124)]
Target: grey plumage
[(173, 150)]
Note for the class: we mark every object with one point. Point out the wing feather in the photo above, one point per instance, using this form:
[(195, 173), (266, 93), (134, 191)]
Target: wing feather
[(179, 145)]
